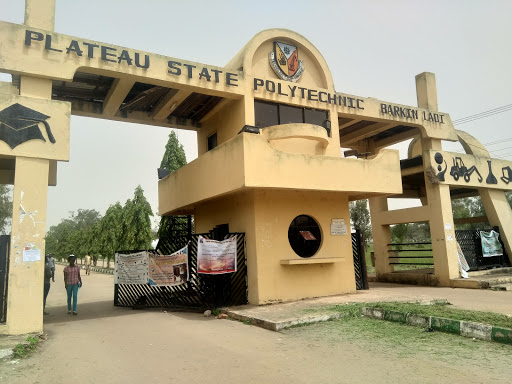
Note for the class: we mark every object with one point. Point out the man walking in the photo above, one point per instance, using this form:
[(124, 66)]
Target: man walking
[(88, 263)]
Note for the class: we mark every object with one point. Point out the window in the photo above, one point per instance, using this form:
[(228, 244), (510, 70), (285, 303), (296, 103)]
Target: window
[(289, 115), (269, 114), (304, 236), (212, 141), (266, 114)]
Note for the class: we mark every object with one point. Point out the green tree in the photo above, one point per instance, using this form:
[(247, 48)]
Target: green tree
[(360, 218), (137, 222), (174, 158), (5, 208), (111, 232)]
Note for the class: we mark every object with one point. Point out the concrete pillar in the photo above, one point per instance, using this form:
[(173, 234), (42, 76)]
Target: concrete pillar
[(442, 230), (381, 236), (25, 292), (40, 14)]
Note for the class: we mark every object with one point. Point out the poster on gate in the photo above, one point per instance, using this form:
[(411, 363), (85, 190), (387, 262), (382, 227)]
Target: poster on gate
[(168, 269), (491, 245), (216, 257), (131, 268)]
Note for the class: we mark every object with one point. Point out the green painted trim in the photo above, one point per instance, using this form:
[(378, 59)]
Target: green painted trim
[(501, 335), (445, 325)]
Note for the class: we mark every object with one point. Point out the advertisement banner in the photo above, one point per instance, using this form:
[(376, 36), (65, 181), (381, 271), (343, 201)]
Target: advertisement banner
[(491, 245), (131, 268), (168, 269), (216, 257)]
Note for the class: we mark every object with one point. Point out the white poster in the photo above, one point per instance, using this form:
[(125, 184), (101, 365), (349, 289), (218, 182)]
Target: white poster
[(168, 269), (131, 268), (31, 254), (491, 244), (216, 257)]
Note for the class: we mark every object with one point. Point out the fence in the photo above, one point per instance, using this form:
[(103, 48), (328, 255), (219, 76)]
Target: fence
[(200, 291), (470, 243), (411, 254)]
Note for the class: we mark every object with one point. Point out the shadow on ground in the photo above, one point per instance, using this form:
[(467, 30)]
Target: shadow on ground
[(87, 311)]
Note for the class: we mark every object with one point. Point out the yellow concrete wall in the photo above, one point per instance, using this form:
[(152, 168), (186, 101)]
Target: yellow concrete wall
[(265, 216), (59, 122), (275, 210), (25, 291), (248, 161)]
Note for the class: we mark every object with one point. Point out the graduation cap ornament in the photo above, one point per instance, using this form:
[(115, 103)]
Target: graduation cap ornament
[(19, 124)]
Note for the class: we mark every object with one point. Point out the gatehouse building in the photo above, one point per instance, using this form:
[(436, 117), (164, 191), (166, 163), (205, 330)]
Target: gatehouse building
[(272, 129)]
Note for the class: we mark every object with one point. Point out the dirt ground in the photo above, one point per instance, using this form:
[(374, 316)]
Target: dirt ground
[(104, 344)]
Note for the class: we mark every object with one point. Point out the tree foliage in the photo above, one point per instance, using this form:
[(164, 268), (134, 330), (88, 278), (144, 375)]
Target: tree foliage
[(5, 208), (125, 227), (360, 218), (174, 158)]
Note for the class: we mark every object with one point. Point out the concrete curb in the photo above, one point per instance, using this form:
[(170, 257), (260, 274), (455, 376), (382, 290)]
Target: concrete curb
[(457, 327), (277, 326)]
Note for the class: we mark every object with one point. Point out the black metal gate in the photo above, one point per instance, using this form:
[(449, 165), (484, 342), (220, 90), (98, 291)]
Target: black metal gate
[(5, 240), (471, 245), (201, 291), (359, 260)]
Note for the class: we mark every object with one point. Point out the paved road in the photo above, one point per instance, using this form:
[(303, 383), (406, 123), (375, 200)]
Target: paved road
[(104, 344)]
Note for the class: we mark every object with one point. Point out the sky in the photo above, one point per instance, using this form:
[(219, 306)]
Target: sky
[(373, 49)]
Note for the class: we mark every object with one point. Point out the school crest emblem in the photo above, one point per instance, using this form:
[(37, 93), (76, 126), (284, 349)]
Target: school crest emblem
[(284, 60)]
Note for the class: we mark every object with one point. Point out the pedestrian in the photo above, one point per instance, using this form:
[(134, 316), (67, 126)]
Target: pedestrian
[(72, 281), (47, 279), (52, 266), (88, 263)]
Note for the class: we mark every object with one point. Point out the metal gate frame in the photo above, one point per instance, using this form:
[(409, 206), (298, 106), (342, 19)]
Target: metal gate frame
[(358, 252), (199, 292), (5, 241)]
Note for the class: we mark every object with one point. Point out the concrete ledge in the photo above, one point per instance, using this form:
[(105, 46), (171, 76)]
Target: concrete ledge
[(277, 326), (458, 327), (475, 330), (418, 320)]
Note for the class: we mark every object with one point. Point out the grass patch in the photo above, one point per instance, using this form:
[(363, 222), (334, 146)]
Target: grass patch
[(24, 349), (438, 309)]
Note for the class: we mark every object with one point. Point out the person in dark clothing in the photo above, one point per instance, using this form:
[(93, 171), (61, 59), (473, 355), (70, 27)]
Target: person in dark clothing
[(48, 274)]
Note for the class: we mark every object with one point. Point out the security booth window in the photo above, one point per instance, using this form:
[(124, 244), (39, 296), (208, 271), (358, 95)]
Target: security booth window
[(212, 141), (268, 114), (304, 235)]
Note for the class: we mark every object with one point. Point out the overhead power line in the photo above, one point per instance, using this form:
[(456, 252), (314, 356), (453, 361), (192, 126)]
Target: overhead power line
[(482, 115)]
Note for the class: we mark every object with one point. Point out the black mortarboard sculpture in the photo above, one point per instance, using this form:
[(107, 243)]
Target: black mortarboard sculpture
[(19, 124)]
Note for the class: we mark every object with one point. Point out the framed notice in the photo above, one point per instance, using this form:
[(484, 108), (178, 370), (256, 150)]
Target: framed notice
[(168, 269), (131, 268), (338, 227), (216, 257)]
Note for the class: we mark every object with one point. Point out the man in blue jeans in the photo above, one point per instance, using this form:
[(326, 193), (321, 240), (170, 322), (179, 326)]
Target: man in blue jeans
[(72, 281)]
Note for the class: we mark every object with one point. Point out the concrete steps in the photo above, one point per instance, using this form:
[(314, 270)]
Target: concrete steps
[(499, 279)]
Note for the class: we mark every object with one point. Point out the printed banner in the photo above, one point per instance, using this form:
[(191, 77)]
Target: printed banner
[(131, 268), (168, 269), (216, 257), (491, 245)]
